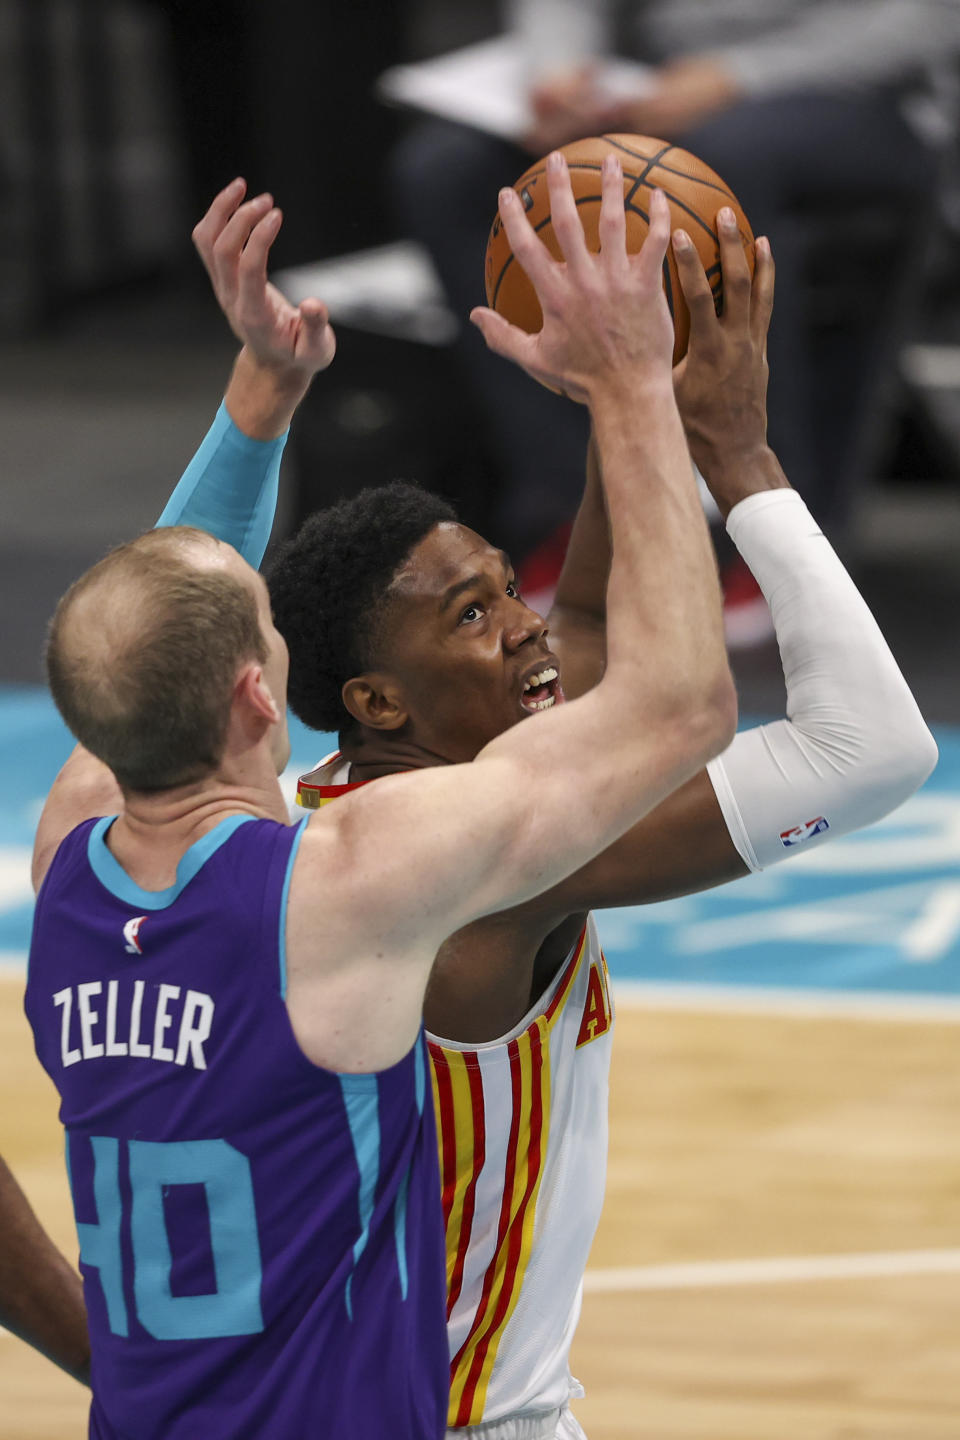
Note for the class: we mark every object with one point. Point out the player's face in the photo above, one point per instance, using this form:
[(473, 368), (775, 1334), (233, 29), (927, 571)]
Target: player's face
[(463, 646)]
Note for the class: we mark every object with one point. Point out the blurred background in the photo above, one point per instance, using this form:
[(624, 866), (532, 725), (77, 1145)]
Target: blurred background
[(121, 119), (836, 125), (384, 130)]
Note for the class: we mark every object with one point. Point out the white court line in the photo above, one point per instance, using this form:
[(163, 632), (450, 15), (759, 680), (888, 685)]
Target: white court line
[(715, 1274), (802, 1004), (708, 1274), (724, 1274)]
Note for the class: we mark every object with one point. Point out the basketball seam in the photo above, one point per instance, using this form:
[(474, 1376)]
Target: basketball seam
[(581, 200), (638, 182), (654, 160), (708, 184), (680, 206)]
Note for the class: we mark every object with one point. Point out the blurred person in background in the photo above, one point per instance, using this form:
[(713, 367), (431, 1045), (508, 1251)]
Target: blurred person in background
[(806, 108)]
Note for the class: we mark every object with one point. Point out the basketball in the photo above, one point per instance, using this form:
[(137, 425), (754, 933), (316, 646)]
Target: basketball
[(695, 193)]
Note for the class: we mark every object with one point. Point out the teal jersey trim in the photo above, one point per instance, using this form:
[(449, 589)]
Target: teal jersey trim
[(114, 878), (362, 1102), (230, 488), (400, 1233), (282, 938), (400, 1212)]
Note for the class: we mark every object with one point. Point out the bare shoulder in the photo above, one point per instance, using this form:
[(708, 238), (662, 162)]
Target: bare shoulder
[(322, 880), (355, 985), (83, 789)]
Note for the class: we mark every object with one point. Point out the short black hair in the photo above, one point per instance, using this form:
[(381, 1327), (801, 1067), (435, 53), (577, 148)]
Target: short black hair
[(328, 584)]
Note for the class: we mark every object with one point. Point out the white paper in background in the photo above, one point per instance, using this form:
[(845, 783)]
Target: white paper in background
[(388, 289), (485, 85)]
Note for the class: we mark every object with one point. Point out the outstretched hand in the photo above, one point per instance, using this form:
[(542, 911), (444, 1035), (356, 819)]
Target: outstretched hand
[(234, 240), (721, 383), (605, 316)]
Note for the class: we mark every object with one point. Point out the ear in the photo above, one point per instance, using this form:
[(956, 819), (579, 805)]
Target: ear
[(375, 701), (253, 690)]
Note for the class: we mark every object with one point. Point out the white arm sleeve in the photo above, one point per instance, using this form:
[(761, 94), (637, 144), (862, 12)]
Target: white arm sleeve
[(854, 745)]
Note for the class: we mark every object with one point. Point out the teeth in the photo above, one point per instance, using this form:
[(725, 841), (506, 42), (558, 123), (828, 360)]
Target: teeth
[(542, 704), (542, 679)]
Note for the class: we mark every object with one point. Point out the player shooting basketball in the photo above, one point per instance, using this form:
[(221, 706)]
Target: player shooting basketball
[(519, 1006), (231, 1006)]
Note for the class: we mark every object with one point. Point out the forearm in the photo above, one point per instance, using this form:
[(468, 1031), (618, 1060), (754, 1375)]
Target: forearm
[(231, 485), (41, 1295), (577, 618), (734, 474), (262, 399), (666, 703), (854, 745), (582, 587), (663, 599)]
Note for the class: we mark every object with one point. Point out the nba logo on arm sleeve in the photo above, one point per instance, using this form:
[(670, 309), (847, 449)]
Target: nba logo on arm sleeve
[(799, 833)]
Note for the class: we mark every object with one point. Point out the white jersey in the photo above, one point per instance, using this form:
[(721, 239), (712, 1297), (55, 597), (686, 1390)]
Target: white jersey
[(522, 1124), (522, 1131)]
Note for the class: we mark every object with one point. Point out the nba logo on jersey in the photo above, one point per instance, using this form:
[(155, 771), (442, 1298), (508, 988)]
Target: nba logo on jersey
[(799, 833), (131, 932)]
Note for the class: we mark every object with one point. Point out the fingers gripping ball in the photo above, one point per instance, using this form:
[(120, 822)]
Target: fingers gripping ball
[(695, 193)]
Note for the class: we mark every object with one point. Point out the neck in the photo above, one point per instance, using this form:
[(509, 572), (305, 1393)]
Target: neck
[(155, 830), (372, 755), (197, 808)]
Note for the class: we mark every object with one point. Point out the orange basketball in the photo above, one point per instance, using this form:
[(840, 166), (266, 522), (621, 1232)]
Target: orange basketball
[(695, 193)]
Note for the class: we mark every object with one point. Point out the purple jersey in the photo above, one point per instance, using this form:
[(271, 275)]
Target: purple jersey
[(261, 1240)]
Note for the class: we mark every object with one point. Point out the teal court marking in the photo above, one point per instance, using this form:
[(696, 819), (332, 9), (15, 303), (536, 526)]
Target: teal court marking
[(877, 912)]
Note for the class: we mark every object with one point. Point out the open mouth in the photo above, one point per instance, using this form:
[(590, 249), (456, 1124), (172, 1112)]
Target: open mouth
[(542, 689)]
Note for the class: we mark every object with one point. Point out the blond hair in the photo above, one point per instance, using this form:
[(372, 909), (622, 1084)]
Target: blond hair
[(143, 654)]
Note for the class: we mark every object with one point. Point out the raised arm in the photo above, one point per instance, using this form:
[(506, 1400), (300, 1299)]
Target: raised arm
[(230, 486), (721, 387), (415, 857), (853, 744), (41, 1295)]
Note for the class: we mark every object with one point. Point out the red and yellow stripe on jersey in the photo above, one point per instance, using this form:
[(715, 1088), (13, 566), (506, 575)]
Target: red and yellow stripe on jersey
[(312, 792), (522, 1134), (458, 1089)]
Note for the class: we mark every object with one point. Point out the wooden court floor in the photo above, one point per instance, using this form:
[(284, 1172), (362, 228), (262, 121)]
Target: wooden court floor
[(733, 1138)]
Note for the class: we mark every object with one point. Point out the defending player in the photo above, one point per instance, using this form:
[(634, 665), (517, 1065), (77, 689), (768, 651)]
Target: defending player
[(231, 1006), (522, 999)]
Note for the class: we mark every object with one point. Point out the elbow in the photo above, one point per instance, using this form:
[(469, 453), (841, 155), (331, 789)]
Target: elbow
[(708, 721), (914, 758), (720, 713), (903, 749), (895, 772)]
